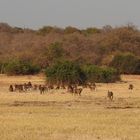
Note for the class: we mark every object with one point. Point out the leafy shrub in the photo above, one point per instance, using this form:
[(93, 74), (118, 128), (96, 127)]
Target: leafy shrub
[(66, 73), (100, 74), (109, 75), (17, 67), (92, 73), (71, 73)]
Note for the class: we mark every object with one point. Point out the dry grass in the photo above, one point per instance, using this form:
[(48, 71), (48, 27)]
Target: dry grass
[(56, 116)]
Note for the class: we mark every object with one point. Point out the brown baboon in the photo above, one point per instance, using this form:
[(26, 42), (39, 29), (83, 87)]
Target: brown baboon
[(42, 89), (85, 86), (57, 87), (63, 87), (70, 89), (20, 88), (131, 87), (11, 89), (78, 91), (110, 95), (25, 86), (50, 87), (35, 87), (29, 84), (15, 87), (92, 88)]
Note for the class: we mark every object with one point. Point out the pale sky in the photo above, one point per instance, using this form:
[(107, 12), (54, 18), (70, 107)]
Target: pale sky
[(62, 13)]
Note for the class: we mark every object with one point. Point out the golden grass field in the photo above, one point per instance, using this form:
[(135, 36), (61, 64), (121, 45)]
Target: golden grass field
[(59, 116)]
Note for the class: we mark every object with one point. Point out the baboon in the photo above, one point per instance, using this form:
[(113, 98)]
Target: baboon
[(63, 87), (50, 87), (131, 87), (70, 89), (110, 95), (35, 87), (92, 86), (85, 86), (74, 90), (42, 89), (58, 87), (16, 87), (20, 88), (25, 86), (29, 84), (11, 89), (78, 91)]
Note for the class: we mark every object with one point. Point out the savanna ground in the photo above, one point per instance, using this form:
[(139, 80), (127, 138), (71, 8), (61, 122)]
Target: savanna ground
[(58, 115)]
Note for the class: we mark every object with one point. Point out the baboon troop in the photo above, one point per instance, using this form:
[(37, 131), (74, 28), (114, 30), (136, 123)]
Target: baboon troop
[(73, 89), (44, 88), (27, 87), (110, 95), (21, 87)]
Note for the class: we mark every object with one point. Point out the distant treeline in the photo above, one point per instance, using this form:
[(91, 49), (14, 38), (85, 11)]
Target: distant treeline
[(31, 51)]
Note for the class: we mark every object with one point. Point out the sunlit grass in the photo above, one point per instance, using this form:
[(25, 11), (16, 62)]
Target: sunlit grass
[(70, 117)]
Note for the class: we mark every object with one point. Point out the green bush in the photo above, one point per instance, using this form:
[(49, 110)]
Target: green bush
[(71, 73), (92, 73), (100, 74), (109, 75), (18, 67), (66, 73), (126, 63)]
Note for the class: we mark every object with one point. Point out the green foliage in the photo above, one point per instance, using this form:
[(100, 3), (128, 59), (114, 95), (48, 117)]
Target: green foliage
[(71, 73), (126, 63), (92, 73), (109, 75), (18, 67), (66, 73), (100, 74)]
